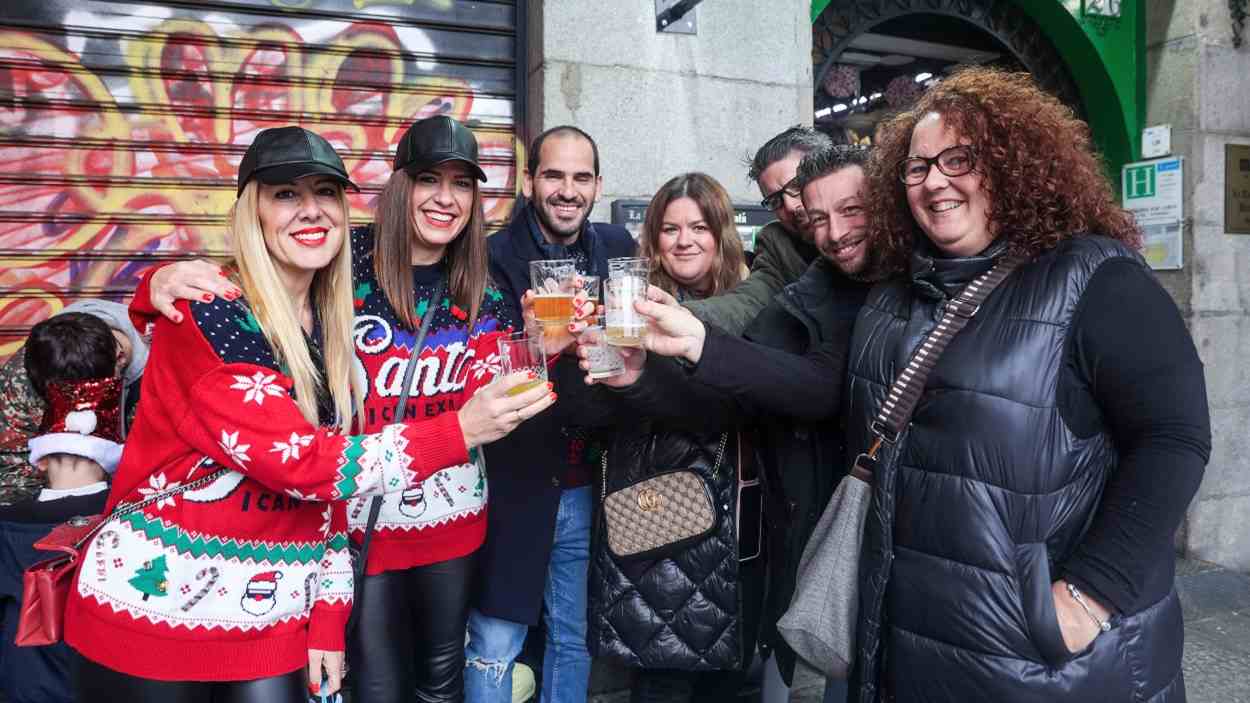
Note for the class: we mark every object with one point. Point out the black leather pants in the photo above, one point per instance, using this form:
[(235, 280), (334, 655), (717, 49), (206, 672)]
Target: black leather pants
[(99, 684), (410, 635)]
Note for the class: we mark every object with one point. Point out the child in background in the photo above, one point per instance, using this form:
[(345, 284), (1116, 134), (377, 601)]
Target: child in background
[(22, 409), (71, 360)]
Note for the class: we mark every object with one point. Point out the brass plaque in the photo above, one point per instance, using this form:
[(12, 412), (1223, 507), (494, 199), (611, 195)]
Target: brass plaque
[(1237, 188)]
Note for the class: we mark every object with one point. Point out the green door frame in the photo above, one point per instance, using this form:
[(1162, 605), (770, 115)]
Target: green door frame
[(1105, 59)]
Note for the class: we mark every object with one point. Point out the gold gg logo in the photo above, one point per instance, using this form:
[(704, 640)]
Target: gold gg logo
[(649, 500)]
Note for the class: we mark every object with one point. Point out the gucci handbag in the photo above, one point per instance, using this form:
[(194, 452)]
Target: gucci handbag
[(820, 623), (46, 584), (661, 514)]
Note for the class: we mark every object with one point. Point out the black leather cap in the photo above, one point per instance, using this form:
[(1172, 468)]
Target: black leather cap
[(283, 154), (436, 140)]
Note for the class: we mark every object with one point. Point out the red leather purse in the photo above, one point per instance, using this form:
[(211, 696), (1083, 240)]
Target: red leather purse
[(46, 584)]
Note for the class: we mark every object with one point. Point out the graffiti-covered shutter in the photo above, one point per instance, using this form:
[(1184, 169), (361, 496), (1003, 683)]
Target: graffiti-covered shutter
[(122, 123)]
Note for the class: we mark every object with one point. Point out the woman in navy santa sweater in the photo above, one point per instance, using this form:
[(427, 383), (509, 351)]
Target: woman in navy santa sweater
[(226, 592), (427, 248)]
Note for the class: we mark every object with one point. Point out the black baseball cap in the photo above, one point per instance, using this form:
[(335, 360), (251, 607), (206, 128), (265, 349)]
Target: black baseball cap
[(283, 154), (436, 140)]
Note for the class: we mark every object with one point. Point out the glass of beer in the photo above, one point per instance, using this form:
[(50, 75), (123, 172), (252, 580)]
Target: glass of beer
[(627, 284), (523, 351), (605, 360), (552, 281)]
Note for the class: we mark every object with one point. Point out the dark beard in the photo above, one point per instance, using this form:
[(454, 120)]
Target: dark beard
[(549, 227)]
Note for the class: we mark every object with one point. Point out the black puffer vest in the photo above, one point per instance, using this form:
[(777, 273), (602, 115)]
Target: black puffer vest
[(681, 611), (983, 495)]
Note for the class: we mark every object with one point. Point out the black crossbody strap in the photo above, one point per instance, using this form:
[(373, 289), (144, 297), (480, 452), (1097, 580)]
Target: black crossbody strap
[(375, 503), (904, 394)]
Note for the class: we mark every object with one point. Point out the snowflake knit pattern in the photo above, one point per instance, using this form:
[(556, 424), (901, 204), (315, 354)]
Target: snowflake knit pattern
[(445, 517), (235, 579)]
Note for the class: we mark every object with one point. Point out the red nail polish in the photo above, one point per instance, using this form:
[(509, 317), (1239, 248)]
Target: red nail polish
[(554, 396), (222, 273), (208, 297), (549, 386), (314, 689)]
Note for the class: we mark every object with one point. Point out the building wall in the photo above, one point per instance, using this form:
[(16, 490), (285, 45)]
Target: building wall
[(1200, 84), (662, 104)]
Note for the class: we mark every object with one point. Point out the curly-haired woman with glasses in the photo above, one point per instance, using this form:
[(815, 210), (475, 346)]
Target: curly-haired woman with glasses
[(1019, 544)]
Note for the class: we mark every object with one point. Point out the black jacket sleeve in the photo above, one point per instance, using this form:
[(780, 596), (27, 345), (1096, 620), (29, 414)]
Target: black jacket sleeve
[(1131, 368), (767, 380), (666, 393)]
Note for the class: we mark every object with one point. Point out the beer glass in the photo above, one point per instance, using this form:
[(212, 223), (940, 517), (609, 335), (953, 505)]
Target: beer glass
[(627, 284), (523, 351), (552, 281), (605, 360)]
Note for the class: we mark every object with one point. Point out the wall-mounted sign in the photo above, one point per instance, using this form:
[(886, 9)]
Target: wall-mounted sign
[(1156, 141), (748, 218), (1237, 188), (1154, 192)]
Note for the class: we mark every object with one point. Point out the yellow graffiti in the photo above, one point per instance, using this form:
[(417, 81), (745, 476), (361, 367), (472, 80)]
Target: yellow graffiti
[(47, 299), (110, 124), (188, 85)]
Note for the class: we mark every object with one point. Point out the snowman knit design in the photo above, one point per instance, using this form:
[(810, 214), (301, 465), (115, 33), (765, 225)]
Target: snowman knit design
[(236, 579), (444, 517)]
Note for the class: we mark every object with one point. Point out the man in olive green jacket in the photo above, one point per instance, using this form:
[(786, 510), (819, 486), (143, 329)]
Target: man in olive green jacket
[(783, 248)]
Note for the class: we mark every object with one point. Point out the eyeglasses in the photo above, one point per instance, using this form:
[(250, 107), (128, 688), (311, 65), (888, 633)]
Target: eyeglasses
[(952, 161), (772, 201)]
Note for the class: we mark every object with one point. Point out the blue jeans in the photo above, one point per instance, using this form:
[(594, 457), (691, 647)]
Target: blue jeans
[(494, 643)]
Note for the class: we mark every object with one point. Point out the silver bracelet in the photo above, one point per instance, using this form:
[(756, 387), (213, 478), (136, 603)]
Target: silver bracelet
[(1104, 625)]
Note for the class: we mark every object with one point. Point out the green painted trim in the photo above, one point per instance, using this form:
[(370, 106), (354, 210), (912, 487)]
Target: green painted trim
[(818, 6), (1107, 68)]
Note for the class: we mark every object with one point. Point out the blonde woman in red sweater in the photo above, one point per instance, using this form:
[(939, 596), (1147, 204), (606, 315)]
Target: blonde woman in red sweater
[(238, 590)]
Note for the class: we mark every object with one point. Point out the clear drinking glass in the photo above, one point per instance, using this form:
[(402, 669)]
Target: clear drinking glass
[(553, 282), (605, 360), (627, 283), (523, 351)]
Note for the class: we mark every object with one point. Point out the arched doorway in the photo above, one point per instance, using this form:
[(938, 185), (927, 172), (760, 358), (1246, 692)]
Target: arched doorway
[(871, 57)]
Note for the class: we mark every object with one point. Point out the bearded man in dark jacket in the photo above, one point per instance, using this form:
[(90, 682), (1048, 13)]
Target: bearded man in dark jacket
[(785, 374)]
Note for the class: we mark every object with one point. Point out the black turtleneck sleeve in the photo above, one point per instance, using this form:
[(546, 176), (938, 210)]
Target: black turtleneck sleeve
[(1131, 369)]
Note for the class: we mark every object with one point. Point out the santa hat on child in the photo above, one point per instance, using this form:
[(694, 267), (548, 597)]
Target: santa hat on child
[(83, 419)]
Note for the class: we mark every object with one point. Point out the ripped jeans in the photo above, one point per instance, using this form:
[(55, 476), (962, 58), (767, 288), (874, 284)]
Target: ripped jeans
[(495, 643)]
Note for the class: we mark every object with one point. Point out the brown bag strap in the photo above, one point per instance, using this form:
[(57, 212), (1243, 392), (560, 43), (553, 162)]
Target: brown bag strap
[(900, 402)]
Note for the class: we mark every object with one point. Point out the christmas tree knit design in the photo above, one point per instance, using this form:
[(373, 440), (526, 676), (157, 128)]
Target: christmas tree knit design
[(150, 579)]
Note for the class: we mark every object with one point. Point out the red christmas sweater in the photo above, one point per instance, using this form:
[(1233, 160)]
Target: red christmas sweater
[(444, 517), (236, 579)]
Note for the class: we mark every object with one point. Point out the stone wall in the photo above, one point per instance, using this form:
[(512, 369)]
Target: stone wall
[(662, 104), (1200, 84)]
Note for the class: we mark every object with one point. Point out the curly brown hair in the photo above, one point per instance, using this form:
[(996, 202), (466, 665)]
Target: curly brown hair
[(1044, 181)]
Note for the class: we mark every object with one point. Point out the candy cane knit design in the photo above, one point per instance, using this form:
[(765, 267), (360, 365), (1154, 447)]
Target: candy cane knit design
[(213, 574), (101, 559)]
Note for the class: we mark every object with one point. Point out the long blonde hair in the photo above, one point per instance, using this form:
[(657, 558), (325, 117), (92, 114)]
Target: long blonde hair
[(395, 226), (280, 322), (728, 266)]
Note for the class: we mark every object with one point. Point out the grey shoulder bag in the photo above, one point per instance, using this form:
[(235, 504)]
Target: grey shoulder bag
[(820, 623)]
